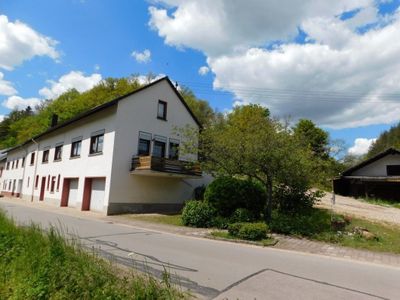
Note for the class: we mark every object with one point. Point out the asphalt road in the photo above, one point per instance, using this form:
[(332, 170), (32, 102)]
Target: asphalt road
[(222, 270)]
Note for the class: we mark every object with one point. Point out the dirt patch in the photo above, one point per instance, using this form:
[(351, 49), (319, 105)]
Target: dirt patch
[(349, 205)]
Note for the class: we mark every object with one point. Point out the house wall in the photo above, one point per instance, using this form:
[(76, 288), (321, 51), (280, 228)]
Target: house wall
[(123, 190), (12, 176), (148, 193), (84, 166), (378, 168)]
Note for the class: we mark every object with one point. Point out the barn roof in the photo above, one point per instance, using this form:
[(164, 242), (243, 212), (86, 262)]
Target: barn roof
[(389, 151)]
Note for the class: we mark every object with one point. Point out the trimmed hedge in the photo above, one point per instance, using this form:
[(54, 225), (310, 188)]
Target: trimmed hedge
[(226, 194), (248, 231), (198, 214)]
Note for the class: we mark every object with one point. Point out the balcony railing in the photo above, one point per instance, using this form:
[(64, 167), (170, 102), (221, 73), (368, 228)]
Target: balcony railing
[(164, 165)]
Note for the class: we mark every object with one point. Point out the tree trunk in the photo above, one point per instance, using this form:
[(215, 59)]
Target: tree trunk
[(268, 204)]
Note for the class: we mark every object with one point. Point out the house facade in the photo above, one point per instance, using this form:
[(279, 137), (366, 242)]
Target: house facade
[(377, 177), (122, 156)]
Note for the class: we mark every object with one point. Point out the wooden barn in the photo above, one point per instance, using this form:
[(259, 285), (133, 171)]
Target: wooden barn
[(377, 177)]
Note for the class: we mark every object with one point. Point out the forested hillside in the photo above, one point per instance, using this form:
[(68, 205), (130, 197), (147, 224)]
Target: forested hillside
[(387, 139), (21, 125)]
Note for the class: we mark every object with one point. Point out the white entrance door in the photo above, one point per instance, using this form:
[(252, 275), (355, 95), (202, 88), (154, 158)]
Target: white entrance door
[(73, 192), (97, 194)]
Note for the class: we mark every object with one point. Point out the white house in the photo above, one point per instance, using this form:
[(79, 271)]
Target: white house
[(377, 177), (121, 156)]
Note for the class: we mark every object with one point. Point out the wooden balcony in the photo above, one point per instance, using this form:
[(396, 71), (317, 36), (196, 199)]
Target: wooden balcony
[(159, 166)]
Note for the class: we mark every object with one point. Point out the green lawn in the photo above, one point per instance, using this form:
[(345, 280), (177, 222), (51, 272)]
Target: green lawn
[(35, 264), (388, 236), (381, 202), (157, 218)]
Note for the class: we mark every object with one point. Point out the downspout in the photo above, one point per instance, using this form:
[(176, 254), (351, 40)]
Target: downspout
[(35, 170)]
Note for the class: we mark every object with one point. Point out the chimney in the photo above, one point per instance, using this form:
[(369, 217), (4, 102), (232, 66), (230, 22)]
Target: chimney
[(54, 120)]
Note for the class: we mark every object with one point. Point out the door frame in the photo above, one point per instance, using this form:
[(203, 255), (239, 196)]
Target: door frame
[(87, 191), (42, 188), (65, 190)]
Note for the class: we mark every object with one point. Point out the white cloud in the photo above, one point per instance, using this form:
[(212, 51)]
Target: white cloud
[(19, 42), (6, 87), (73, 80), (339, 78), (220, 26), (146, 79), (17, 102), (361, 146), (142, 57), (204, 70)]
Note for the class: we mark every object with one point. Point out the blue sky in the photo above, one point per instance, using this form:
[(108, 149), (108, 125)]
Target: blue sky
[(336, 64)]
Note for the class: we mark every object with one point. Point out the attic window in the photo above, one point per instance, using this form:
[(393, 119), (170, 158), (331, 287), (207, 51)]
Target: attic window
[(393, 170), (162, 110)]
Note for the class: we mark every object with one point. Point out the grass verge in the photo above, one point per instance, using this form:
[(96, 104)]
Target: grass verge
[(315, 226), (381, 202), (175, 220), (223, 235), (356, 232), (42, 265)]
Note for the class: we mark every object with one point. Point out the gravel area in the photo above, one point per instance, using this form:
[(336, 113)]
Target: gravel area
[(349, 205)]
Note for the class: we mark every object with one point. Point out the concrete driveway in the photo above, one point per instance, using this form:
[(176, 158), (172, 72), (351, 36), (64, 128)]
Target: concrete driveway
[(220, 270)]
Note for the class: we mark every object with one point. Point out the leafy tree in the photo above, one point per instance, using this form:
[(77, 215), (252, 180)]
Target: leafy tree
[(248, 142), (387, 139), (21, 125), (312, 136), (200, 108)]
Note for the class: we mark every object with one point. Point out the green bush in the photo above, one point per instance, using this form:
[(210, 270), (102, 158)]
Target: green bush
[(226, 194), (242, 215), (198, 214), (221, 222), (313, 222), (248, 231), (294, 199)]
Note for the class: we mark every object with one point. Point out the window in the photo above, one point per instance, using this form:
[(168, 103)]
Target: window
[(8, 165), (53, 184), (76, 148), (45, 157), (13, 164), (173, 151), (144, 143), (32, 158), (37, 181), (27, 185), (393, 170), (1, 171), (96, 144), (23, 162), (162, 110), (16, 165), (58, 153), (159, 146), (48, 182)]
